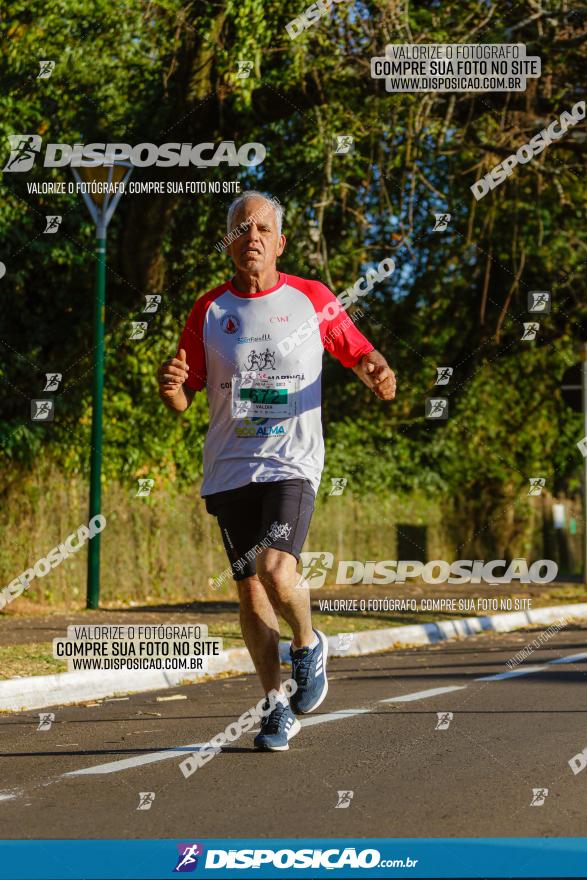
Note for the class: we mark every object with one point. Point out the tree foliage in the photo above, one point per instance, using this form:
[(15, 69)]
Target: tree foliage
[(167, 71)]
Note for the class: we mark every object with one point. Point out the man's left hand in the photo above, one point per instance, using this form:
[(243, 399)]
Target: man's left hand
[(377, 375)]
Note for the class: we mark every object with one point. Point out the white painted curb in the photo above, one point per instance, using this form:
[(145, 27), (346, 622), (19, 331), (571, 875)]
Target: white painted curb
[(430, 633), (39, 691)]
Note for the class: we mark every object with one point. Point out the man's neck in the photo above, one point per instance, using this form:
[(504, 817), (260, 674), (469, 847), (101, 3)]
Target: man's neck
[(247, 283)]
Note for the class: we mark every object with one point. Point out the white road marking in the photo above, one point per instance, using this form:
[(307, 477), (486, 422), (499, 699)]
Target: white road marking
[(139, 760), (310, 721), (513, 673), (177, 751), (423, 695), (333, 716), (570, 658), (528, 670)]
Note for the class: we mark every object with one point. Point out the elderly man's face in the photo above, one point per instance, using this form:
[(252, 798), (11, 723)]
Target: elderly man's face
[(256, 249)]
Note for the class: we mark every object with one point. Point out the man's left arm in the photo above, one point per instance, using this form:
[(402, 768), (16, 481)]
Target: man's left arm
[(342, 338), (377, 375)]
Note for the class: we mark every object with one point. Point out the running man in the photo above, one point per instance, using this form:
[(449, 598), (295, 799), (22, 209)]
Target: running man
[(264, 452)]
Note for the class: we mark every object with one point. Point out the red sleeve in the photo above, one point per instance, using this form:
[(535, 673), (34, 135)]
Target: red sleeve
[(192, 339), (338, 332)]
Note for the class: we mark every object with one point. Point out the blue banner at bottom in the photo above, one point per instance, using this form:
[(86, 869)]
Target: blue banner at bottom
[(225, 859)]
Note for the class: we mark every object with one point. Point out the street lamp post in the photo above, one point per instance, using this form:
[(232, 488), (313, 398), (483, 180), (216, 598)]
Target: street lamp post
[(101, 206), (584, 402)]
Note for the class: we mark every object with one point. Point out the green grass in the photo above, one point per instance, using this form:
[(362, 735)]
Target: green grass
[(166, 548), (25, 660)]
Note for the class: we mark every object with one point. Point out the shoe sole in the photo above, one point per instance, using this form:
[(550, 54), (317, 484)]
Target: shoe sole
[(322, 696), (294, 729)]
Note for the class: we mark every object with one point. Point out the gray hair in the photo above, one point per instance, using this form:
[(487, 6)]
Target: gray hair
[(253, 193)]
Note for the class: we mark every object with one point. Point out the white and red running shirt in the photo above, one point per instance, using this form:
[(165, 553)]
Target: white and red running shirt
[(264, 386)]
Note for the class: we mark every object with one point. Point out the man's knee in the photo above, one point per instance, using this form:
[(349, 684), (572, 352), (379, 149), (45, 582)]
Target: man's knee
[(276, 569), (249, 588)]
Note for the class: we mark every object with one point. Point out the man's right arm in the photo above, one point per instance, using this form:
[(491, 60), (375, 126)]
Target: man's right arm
[(173, 391)]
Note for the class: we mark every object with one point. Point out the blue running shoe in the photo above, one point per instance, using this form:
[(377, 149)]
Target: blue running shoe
[(277, 729), (308, 669)]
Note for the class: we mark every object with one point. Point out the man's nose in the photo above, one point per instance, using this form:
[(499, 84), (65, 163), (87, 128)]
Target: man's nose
[(252, 234)]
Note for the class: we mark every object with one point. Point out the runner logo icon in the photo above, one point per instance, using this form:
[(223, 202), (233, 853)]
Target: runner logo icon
[(441, 222), (539, 795), (315, 565), (244, 69), (46, 719), (146, 799), (42, 410), (52, 381), (345, 640), (188, 856), (338, 485), (46, 68), (344, 143), (344, 799), (443, 375), (53, 222), (537, 484), (539, 301), (23, 151), (444, 719), (531, 328), (437, 408)]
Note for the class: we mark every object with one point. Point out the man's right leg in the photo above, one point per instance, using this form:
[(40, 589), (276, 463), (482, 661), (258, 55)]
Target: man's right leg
[(239, 515), (261, 634), (260, 629), (240, 521)]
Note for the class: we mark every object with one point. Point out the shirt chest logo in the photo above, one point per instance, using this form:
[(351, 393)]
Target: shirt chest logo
[(260, 360), (230, 323), (246, 340)]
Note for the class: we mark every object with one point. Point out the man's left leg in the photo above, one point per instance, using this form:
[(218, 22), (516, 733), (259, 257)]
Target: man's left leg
[(290, 596), (288, 593), (287, 511)]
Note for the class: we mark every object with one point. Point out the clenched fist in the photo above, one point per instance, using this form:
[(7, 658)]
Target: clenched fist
[(377, 375)]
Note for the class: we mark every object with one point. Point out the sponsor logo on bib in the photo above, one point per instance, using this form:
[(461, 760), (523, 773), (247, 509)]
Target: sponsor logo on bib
[(258, 427)]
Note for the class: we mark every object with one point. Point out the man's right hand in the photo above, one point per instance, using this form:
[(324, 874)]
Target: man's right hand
[(171, 375)]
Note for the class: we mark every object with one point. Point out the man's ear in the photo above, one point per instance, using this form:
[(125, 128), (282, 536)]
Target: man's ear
[(281, 245)]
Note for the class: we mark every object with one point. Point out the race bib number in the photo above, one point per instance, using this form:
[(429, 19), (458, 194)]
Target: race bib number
[(260, 395)]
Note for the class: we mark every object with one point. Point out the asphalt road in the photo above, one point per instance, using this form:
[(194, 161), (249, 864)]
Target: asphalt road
[(376, 737)]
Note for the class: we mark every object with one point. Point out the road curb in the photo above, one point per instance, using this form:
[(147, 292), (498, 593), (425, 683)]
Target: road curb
[(39, 691), (371, 641)]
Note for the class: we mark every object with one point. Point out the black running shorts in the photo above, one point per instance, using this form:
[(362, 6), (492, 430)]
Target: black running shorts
[(261, 515)]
